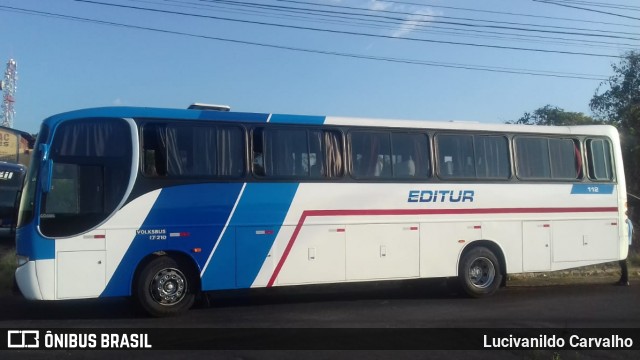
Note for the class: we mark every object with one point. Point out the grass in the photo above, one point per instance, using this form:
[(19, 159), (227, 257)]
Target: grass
[(634, 258), (601, 273), (7, 268)]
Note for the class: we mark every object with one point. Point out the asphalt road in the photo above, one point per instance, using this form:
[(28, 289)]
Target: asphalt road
[(409, 304), (401, 304)]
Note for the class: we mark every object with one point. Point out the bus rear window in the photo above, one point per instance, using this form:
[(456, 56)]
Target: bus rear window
[(599, 158)]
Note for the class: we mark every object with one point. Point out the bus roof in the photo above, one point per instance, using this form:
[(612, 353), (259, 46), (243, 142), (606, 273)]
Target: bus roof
[(228, 116)]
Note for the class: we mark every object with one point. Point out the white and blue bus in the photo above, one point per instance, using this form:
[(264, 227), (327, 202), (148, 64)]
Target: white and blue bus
[(161, 204)]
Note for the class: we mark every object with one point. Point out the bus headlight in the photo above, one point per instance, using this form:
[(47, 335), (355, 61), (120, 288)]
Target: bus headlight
[(21, 260)]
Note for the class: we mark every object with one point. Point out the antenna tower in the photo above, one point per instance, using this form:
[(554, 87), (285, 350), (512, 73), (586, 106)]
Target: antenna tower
[(8, 87)]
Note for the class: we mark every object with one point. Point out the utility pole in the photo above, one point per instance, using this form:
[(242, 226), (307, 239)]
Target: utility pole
[(8, 87)]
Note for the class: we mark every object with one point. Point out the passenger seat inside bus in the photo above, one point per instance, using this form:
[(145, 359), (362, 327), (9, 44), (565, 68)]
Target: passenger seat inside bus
[(406, 168)]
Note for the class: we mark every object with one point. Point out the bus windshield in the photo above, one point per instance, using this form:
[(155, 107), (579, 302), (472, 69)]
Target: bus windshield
[(91, 165)]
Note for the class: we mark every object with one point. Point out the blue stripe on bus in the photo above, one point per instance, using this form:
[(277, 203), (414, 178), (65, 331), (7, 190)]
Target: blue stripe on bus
[(592, 189), (297, 119), (250, 235), (30, 243), (232, 116), (155, 113), (182, 114), (195, 214)]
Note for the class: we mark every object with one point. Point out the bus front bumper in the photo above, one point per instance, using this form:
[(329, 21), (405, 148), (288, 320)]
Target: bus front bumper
[(27, 280)]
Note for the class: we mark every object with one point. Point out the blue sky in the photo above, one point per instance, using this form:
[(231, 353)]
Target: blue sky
[(66, 64)]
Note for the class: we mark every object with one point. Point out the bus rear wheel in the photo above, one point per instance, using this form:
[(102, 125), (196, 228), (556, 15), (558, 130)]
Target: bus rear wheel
[(479, 272), (164, 288)]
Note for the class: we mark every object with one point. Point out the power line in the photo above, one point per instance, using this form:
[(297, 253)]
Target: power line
[(586, 9), (600, 4), (402, 20), (435, 16), (342, 32), (505, 13), (302, 15), (315, 51)]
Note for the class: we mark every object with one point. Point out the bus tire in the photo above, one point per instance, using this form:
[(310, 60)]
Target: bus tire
[(164, 288), (479, 272)]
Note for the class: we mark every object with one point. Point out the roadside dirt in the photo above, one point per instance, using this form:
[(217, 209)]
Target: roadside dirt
[(594, 274)]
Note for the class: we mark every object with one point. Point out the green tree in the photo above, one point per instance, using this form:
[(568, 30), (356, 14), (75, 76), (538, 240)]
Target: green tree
[(617, 102), (553, 115)]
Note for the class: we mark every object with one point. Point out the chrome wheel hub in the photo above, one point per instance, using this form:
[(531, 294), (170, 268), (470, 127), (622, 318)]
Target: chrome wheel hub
[(168, 287), (482, 273)]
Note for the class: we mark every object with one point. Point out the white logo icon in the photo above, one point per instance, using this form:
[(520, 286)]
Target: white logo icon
[(23, 339)]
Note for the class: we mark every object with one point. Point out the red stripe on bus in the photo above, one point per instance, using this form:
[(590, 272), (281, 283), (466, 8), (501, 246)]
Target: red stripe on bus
[(405, 212), (294, 236)]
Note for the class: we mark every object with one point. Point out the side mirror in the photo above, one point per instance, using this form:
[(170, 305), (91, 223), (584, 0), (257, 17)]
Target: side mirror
[(44, 152), (46, 168)]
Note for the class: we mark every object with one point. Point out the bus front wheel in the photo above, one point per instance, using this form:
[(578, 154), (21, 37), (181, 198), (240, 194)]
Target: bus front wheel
[(164, 288), (479, 272)]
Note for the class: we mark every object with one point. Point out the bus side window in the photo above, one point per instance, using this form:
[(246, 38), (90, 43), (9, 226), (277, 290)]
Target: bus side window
[(599, 160), (257, 152), (563, 154), (410, 155), (456, 157), (150, 168), (155, 154), (297, 153), (539, 158), (282, 152), (333, 166), (532, 158), (193, 151), (371, 154), (492, 157), (314, 161)]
